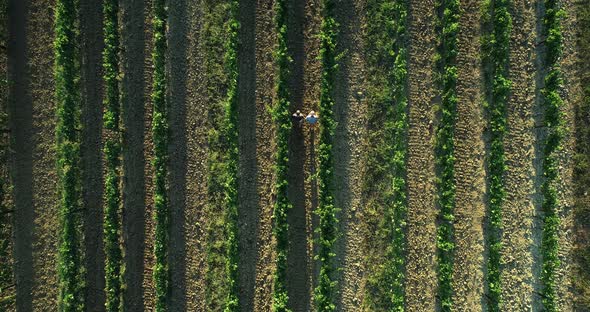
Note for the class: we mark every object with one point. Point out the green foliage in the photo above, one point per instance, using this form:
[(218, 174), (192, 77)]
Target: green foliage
[(495, 46), (385, 184), (281, 117), (112, 151), (444, 149), (221, 46), (68, 156), (325, 292), (160, 162), (553, 145)]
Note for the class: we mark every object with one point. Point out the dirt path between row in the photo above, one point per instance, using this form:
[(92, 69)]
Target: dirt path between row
[(134, 193), (177, 149), (20, 112), (91, 149), (46, 221), (149, 258), (248, 210), (196, 168), (298, 259), (468, 275), (265, 75), (350, 113), (421, 275), (311, 94), (519, 211)]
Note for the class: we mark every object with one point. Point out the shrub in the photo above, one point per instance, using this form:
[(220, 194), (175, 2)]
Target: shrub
[(496, 61), (387, 159), (68, 156), (444, 149), (112, 151), (553, 145), (328, 227)]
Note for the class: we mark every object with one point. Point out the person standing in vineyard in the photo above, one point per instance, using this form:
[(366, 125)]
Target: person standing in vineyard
[(297, 118), (312, 119)]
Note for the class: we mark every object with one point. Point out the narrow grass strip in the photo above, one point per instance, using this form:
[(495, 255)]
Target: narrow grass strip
[(231, 136), (68, 156), (385, 183), (554, 121), (325, 292), (281, 116), (160, 162), (444, 150), (496, 53), (112, 151)]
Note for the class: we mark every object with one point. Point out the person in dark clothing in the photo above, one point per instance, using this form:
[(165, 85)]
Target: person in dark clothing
[(297, 118)]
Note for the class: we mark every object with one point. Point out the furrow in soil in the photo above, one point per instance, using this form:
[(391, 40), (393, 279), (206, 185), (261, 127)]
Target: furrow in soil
[(421, 270), (350, 112), (469, 168), (519, 212), (196, 168), (177, 102), (20, 114), (248, 210), (91, 149), (133, 111), (149, 259), (45, 197), (265, 75)]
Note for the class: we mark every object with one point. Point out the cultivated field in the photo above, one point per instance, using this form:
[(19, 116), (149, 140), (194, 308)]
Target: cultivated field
[(149, 160)]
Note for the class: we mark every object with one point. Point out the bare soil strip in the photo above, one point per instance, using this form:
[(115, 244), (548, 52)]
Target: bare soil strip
[(45, 233), (572, 96), (265, 73), (149, 259), (91, 49), (134, 191), (248, 210), (350, 113), (298, 260), (196, 168), (421, 275), (519, 212), (177, 149), (468, 275), (311, 94), (20, 114)]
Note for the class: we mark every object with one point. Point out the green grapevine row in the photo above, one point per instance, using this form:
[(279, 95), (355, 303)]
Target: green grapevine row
[(556, 130), (68, 156), (112, 151), (444, 149), (496, 60), (325, 292)]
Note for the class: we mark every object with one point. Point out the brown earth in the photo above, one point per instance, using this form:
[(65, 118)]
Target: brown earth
[(350, 113), (46, 223), (196, 167), (265, 75), (134, 192), (20, 113), (149, 260), (91, 150), (519, 211), (470, 207), (421, 237)]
